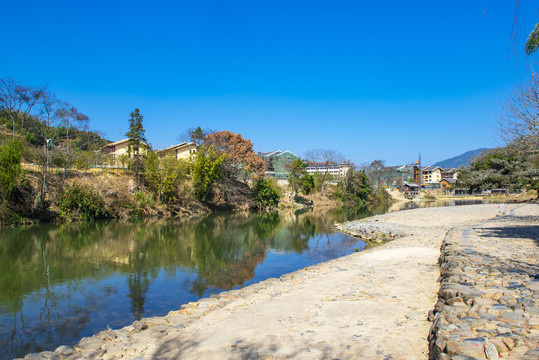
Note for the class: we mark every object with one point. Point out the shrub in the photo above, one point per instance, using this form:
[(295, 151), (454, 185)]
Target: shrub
[(266, 194), (10, 167), (81, 203)]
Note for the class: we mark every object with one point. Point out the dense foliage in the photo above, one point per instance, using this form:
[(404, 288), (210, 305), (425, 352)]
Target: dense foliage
[(266, 193), (77, 203), (299, 179), (163, 176), (10, 167), (355, 187), (497, 168), (207, 169)]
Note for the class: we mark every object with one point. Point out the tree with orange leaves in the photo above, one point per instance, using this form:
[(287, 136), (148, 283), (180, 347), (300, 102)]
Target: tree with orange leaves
[(241, 160)]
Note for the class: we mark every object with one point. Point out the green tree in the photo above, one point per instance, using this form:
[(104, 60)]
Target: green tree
[(10, 167), (297, 175), (163, 176), (266, 194), (137, 141), (496, 168), (307, 185), (152, 176), (357, 188), (533, 41), (207, 169)]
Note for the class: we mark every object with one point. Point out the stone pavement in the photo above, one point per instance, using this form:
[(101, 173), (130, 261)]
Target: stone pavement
[(489, 297)]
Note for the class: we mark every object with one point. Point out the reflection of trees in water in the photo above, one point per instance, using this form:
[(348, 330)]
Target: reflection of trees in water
[(57, 317), (138, 283)]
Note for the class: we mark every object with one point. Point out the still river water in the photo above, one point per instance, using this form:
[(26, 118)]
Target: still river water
[(60, 283)]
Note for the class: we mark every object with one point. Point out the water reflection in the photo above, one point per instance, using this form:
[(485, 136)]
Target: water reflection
[(59, 283)]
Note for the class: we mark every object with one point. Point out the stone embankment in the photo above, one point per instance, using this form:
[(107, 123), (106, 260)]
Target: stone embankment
[(373, 304), (488, 303)]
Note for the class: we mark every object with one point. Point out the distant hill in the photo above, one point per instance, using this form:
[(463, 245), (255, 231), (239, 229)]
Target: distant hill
[(460, 160)]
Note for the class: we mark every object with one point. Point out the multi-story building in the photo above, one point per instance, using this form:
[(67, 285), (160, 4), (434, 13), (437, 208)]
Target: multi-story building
[(337, 170), (431, 175)]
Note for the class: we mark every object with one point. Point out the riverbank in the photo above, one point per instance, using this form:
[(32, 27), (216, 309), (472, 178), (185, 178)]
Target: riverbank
[(372, 304)]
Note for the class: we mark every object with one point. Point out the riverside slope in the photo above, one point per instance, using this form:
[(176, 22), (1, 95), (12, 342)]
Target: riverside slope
[(372, 304)]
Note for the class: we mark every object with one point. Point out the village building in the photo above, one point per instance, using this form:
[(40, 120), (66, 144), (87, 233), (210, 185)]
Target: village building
[(447, 184), (184, 150), (410, 189), (116, 149), (278, 163), (450, 174), (431, 175)]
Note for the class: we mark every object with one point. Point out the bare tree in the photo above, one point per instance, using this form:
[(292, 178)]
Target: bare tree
[(519, 125), (18, 100), (56, 119), (324, 159)]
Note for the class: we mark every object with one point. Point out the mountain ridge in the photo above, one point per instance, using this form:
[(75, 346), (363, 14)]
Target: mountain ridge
[(459, 160)]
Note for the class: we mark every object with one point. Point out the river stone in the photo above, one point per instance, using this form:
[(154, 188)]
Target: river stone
[(511, 316), (107, 335), (444, 356), (139, 326), (491, 352), (34, 356), (64, 350), (461, 348), (88, 343)]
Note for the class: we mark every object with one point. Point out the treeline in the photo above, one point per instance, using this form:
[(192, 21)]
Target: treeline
[(225, 173), (39, 127), (508, 168)]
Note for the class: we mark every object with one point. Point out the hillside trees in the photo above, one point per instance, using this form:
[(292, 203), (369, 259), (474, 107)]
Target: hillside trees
[(56, 119), (496, 168), (17, 100)]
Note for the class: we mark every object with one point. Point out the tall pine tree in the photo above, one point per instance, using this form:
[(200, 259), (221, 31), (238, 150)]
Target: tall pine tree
[(137, 141)]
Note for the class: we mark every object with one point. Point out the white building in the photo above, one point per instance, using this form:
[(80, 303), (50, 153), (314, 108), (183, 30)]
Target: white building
[(337, 170)]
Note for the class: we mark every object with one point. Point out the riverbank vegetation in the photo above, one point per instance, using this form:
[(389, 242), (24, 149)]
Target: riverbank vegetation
[(51, 169)]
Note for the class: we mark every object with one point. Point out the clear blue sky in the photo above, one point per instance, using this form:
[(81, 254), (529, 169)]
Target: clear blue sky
[(373, 80)]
